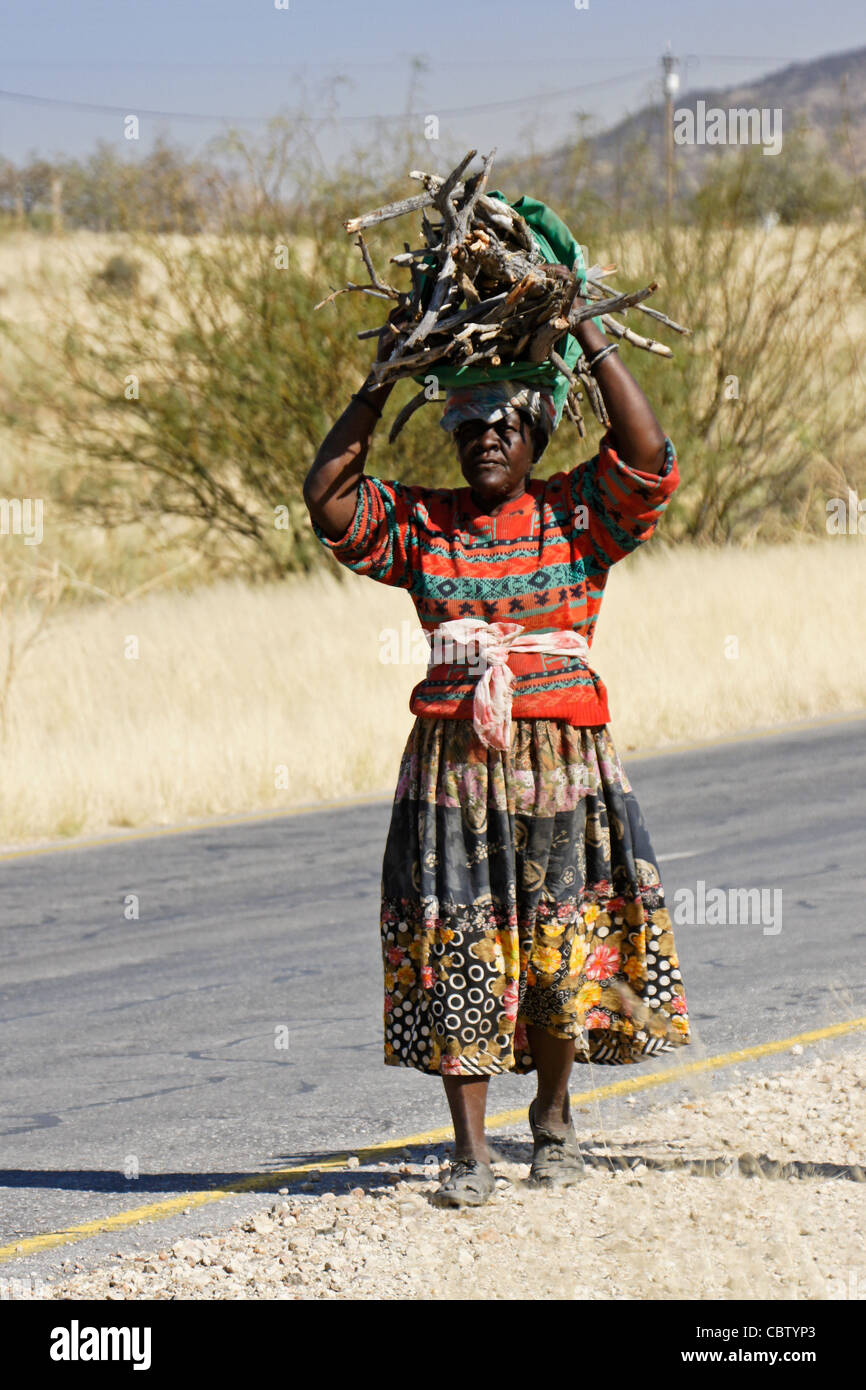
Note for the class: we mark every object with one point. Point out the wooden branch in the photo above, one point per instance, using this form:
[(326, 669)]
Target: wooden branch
[(596, 399), (406, 413), (619, 330), (410, 258), (442, 196), (573, 411), (543, 340), (490, 295), (406, 366), (652, 313), (372, 219), (374, 279), (445, 279), (479, 310), (363, 289), (608, 306), (562, 366)]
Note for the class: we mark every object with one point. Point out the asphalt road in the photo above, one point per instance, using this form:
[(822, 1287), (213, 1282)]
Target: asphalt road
[(148, 1043)]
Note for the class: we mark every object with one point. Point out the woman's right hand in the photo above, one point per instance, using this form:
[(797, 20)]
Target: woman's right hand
[(399, 319), (331, 486)]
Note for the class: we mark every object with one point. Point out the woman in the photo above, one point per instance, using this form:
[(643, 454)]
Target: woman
[(523, 919)]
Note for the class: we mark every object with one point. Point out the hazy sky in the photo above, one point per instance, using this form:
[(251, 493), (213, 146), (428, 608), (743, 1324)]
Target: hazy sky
[(534, 64)]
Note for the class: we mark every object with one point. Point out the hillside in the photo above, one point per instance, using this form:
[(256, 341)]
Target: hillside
[(825, 98)]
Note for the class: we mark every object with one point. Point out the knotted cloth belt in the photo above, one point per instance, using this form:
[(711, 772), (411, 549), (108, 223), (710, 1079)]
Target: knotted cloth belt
[(489, 645)]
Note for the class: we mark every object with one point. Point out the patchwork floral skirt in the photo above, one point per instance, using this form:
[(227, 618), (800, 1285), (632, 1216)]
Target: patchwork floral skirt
[(520, 889)]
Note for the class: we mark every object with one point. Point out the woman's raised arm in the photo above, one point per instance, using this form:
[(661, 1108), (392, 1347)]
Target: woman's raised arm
[(331, 486), (640, 440)]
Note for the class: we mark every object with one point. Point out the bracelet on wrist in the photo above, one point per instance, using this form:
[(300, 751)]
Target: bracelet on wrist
[(599, 357), (366, 400)]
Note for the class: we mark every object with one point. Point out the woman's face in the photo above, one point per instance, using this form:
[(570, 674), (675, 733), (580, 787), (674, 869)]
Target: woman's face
[(495, 458)]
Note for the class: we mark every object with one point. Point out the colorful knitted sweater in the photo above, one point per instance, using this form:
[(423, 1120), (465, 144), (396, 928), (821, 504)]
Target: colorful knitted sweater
[(543, 561)]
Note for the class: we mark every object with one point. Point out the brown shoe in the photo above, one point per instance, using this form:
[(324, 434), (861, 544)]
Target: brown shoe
[(556, 1158)]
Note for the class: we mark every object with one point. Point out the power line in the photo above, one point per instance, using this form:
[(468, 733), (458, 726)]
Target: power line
[(342, 67), (100, 108), (744, 58)]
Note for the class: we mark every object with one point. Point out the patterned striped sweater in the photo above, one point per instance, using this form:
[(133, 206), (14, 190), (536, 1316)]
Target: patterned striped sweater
[(543, 561)]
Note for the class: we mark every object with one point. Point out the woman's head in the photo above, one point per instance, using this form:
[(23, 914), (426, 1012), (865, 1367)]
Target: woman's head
[(500, 429)]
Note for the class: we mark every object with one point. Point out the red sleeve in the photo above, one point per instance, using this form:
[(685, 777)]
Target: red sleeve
[(623, 506), (380, 539)]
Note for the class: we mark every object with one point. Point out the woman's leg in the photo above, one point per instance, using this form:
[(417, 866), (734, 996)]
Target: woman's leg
[(467, 1098), (553, 1060)]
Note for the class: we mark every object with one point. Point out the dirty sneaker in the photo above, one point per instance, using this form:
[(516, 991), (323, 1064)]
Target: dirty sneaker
[(556, 1158), (469, 1183)]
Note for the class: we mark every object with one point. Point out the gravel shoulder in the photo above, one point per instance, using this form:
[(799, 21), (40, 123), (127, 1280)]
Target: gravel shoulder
[(754, 1191)]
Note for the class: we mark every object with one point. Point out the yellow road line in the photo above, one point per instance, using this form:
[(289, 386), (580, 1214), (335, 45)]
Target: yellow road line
[(254, 1182), (385, 795)]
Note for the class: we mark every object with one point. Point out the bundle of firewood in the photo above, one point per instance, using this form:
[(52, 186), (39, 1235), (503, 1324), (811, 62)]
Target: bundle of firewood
[(483, 295)]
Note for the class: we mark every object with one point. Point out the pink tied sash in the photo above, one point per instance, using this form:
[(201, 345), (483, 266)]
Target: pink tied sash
[(473, 641)]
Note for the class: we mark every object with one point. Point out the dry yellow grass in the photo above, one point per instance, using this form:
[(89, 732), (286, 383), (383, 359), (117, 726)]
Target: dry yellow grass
[(244, 698)]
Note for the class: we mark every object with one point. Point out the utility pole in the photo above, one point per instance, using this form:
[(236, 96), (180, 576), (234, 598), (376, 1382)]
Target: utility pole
[(670, 85)]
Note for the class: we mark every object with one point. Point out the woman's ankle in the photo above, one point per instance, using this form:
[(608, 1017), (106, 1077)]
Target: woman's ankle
[(477, 1151), (553, 1115)]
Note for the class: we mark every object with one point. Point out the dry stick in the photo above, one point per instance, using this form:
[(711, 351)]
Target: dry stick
[(504, 218), (574, 413), (545, 337), (409, 258), (645, 309), (486, 334), (498, 262), (374, 279), (415, 274), (500, 224), (372, 219), (502, 215), (404, 205), (597, 272), (563, 367), (492, 308), (364, 289), (484, 307), (523, 287), (432, 234), (500, 329), (589, 383), (596, 399), (442, 196), (609, 306), (619, 330), (470, 294), (488, 355), (407, 412), (459, 227), (404, 366)]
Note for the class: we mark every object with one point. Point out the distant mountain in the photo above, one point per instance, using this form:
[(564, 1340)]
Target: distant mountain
[(825, 97)]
